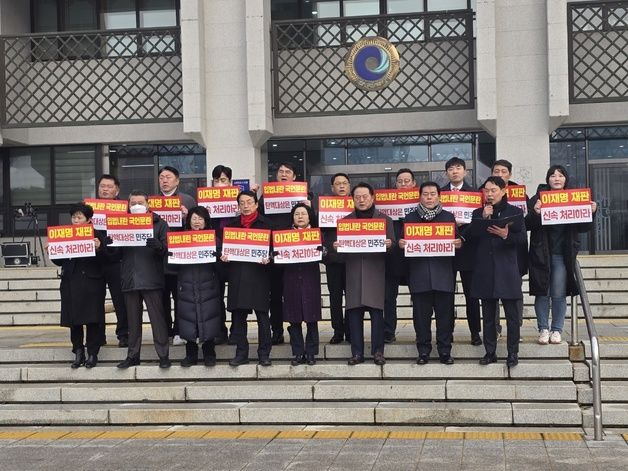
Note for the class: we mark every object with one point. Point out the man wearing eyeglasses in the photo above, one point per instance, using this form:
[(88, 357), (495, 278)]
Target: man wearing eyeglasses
[(396, 264)]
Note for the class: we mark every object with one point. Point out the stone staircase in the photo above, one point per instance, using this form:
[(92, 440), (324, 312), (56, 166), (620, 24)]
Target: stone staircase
[(37, 387)]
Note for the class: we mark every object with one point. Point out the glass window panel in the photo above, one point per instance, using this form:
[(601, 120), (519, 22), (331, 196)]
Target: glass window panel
[(195, 164), (608, 149), (444, 152), (75, 173), (572, 156), (80, 15), (611, 194), (29, 175), (45, 16), (404, 6), (326, 9), (136, 173), (361, 7), (119, 14), (440, 5), (158, 13), (328, 35), (410, 154), (288, 10)]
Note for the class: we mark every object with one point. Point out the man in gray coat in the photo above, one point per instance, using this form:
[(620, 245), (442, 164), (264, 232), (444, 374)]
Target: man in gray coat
[(365, 274)]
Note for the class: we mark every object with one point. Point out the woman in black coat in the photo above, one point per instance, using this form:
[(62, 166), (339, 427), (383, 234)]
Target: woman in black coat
[(249, 287), (83, 295), (198, 298), (553, 250), (302, 295)]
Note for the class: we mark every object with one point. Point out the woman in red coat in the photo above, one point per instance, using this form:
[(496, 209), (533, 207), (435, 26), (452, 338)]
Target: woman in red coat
[(302, 295)]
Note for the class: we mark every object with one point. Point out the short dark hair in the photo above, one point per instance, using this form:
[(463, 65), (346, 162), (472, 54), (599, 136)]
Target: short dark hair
[(138, 193), (250, 193), (106, 176), (363, 185), (310, 212), (288, 165), (169, 169), (339, 174), (502, 163), (499, 181), (429, 183), (404, 170), (455, 161), (199, 211), (81, 207), (560, 169), (219, 170)]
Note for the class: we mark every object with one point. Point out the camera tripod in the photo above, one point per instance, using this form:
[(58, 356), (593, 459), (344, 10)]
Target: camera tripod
[(34, 220)]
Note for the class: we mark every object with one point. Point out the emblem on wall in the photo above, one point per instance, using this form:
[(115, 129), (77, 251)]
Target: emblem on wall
[(372, 63)]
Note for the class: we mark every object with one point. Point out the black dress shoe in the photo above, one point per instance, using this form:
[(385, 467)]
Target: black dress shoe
[(221, 340), (277, 338), (92, 360), (127, 362), (189, 361), (79, 359), (355, 360), (164, 362), (123, 342), (311, 360), (512, 360), (389, 338), (488, 358), (379, 359), (423, 360), (448, 360), (336, 338), (298, 360), (264, 362), (476, 340), (238, 361)]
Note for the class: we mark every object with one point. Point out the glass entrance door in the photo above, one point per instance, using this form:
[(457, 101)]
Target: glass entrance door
[(608, 182)]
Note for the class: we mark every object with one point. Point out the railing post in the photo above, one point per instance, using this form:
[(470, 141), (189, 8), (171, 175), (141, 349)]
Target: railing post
[(574, 321), (597, 390)]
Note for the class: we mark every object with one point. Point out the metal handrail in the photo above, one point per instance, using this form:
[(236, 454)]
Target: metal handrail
[(598, 429)]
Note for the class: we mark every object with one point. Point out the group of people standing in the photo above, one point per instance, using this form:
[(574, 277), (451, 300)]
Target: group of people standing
[(491, 260)]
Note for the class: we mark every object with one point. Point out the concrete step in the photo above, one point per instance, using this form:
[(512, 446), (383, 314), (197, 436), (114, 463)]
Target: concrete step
[(608, 349), (610, 370), (613, 415), (23, 273), (612, 391)]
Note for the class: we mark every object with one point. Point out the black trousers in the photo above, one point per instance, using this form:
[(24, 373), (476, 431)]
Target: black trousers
[(170, 288), (276, 299), (519, 312), (93, 338), (391, 291), (155, 306), (114, 283), (239, 332), (223, 308), (442, 304), (336, 286), (355, 317), (310, 346), (472, 304), (490, 328)]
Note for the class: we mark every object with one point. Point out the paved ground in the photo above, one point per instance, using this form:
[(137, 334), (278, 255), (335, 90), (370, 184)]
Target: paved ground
[(333, 449)]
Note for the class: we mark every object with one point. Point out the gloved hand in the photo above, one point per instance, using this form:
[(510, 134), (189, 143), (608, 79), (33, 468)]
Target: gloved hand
[(154, 243), (108, 240)]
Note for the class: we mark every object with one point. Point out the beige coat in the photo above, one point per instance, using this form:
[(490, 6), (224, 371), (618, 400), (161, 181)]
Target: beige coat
[(366, 273)]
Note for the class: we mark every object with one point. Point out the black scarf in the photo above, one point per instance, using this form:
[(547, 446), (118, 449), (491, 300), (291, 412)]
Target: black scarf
[(366, 214)]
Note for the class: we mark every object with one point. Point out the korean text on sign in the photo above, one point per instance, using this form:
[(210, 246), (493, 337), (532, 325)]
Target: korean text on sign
[(297, 246), (72, 241), (280, 197), (220, 201), (333, 208), (190, 247), (566, 206), (102, 208), (517, 197), (245, 245), (396, 204), (361, 235), (129, 230), (167, 208), (429, 239), (461, 204)]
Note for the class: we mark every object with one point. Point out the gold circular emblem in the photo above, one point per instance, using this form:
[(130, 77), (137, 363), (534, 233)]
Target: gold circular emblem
[(372, 63)]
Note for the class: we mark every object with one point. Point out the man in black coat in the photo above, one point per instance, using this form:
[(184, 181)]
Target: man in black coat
[(335, 267), (496, 273), (169, 186), (432, 282), (456, 170), (109, 189)]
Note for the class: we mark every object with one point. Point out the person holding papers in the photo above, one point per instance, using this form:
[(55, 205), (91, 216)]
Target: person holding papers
[(497, 229), (366, 272), (143, 281), (302, 295), (199, 299), (249, 288), (83, 295), (553, 250), (432, 281)]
